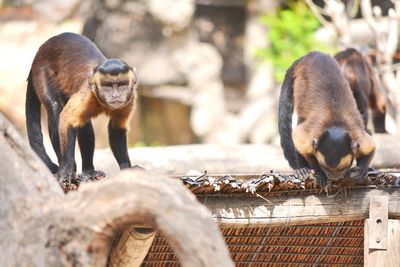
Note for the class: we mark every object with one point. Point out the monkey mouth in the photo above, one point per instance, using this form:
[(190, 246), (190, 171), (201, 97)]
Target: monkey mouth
[(116, 104), (335, 176)]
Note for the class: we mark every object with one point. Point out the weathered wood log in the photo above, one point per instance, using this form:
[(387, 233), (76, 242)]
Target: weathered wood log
[(131, 247), (301, 209), (40, 226)]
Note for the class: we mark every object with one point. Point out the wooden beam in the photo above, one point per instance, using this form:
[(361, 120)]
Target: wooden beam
[(131, 247), (383, 257), (251, 210), (378, 222)]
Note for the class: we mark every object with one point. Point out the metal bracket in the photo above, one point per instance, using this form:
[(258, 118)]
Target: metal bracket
[(378, 222)]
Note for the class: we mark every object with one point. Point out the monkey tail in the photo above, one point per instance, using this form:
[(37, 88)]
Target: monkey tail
[(33, 125), (285, 113)]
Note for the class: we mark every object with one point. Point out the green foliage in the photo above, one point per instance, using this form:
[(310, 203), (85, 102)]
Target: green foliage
[(291, 35)]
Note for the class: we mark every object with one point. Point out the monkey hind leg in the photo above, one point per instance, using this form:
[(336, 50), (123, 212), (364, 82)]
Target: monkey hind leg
[(53, 117), (86, 141), (33, 125)]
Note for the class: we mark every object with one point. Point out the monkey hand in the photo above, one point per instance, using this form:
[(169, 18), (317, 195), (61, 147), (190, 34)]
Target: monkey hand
[(92, 175), (322, 180), (357, 173), (66, 172), (302, 173)]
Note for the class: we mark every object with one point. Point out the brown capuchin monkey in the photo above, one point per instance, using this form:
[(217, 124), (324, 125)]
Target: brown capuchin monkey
[(330, 132), (74, 82), (366, 87)]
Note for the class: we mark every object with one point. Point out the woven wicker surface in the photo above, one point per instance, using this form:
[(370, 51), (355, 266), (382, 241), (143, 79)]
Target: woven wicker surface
[(203, 183), (333, 244)]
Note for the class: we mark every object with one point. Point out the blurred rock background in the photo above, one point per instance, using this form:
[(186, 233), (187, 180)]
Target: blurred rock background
[(199, 80), (205, 67)]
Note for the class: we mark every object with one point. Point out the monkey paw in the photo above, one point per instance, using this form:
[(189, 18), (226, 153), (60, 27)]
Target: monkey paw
[(357, 173), (92, 175), (302, 173), (67, 182), (322, 181), (63, 177)]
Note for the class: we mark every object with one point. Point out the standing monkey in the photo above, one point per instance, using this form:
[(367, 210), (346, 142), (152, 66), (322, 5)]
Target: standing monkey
[(330, 132), (74, 82), (366, 88)]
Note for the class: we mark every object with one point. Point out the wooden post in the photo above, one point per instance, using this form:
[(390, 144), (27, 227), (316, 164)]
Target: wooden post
[(378, 222), (383, 257), (381, 236), (132, 246)]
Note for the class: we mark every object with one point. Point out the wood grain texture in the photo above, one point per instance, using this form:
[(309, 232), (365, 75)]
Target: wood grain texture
[(378, 222), (383, 257), (297, 210), (131, 247)]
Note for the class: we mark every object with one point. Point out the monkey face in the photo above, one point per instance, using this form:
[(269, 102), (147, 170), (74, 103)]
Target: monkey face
[(115, 93), (334, 152), (337, 170), (114, 84)]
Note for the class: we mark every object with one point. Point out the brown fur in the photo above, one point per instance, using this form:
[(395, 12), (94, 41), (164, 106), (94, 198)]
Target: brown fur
[(68, 62), (364, 83), (63, 76), (330, 132), (322, 100)]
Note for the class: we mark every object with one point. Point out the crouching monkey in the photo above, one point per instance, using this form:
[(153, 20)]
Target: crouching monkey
[(330, 131)]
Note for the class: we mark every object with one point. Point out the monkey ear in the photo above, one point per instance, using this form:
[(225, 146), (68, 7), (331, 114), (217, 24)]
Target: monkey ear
[(315, 144), (135, 78), (355, 147), (91, 83)]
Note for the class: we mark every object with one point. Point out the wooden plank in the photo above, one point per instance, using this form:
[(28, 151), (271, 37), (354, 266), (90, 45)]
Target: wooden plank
[(378, 222), (383, 257), (233, 210), (132, 246)]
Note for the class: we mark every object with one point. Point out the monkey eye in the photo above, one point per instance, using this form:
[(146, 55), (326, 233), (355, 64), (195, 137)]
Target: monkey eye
[(106, 84), (123, 83)]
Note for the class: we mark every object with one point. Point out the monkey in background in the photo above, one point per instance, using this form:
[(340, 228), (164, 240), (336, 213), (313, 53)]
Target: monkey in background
[(365, 86), (74, 82), (330, 131)]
